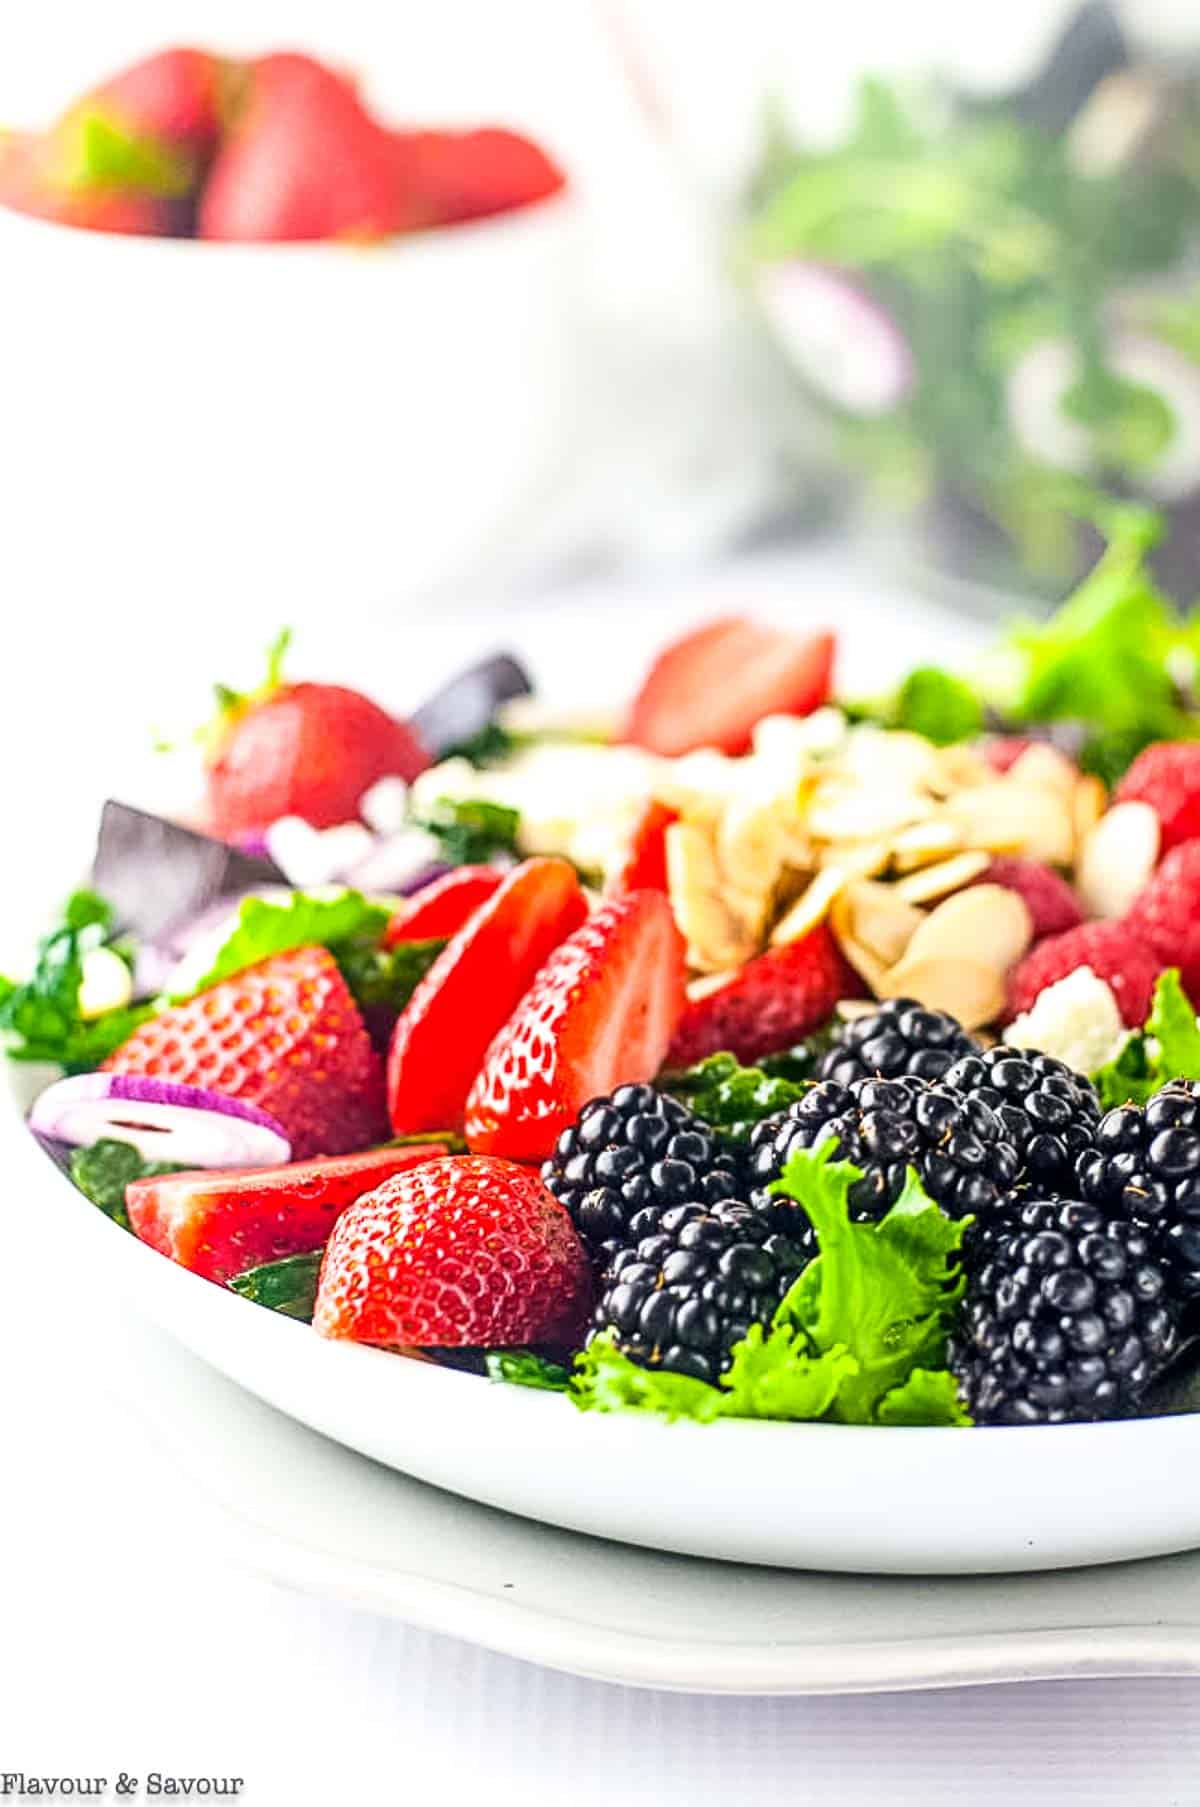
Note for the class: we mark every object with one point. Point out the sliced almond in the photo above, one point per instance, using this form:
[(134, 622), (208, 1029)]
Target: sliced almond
[(708, 983), (1117, 858), (1005, 817), (1045, 768), (751, 842), (986, 925), (1087, 807), (969, 991), (811, 907), (864, 811), (850, 1008), (717, 937), (858, 859), (943, 879), (863, 959), (958, 767), (880, 920), (924, 843)]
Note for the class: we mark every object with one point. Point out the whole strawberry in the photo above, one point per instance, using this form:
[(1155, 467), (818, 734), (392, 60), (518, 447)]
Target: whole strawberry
[(600, 1013), (1167, 777), (1112, 950), (770, 1003), (459, 1252), (285, 1035), (309, 750)]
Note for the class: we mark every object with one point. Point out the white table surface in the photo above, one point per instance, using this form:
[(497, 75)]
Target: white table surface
[(124, 1646)]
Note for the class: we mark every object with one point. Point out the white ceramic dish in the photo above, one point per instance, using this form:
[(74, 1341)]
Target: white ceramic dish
[(899, 1501), (308, 1513)]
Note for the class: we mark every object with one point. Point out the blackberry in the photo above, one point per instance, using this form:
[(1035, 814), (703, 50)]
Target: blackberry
[(1046, 1108), (1066, 1317), (688, 1292), (898, 1039), (1145, 1166), (964, 1155), (625, 1159)]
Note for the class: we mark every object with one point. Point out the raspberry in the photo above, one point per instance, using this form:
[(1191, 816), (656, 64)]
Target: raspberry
[(1166, 914), (1167, 777), (1046, 894), (1113, 952)]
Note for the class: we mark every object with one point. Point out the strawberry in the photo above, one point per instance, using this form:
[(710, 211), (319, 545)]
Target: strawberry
[(600, 1014), (442, 177), (34, 181), (772, 1002), (1166, 914), (472, 988), (645, 865), (466, 1252), (220, 1223), (1048, 897), (304, 161), (1112, 951), (179, 97), (712, 687), (310, 750), (1167, 777), (285, 1035), (444, 906)]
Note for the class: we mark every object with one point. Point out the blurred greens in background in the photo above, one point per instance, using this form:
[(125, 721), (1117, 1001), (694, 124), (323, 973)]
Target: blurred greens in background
[(995, 306)]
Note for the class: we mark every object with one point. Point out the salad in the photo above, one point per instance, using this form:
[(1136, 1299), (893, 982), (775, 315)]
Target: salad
[(187, 143), (765, 1051)]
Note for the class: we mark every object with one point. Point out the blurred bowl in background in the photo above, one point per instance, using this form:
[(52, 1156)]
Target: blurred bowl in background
[(257, 429)]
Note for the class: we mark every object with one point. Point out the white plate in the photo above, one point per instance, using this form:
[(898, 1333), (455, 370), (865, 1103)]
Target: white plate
[(306, 1512), (898, 1501)]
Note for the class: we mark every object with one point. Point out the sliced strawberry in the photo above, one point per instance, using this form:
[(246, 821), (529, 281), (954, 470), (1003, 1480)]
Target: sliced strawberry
[(772, 1002), (472, 988), (444, 906), (220, 1223), (443, 177), (305, 161), (285, 1035), (601, 1013), (310, 750), (455, 1253), (713, 687), (645, 864)]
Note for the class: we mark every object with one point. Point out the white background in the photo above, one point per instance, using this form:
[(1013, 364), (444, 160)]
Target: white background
[(122, 1643)]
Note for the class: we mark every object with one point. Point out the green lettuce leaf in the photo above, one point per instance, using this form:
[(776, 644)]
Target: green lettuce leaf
[(40, 1018), (288, 1286), (926, 1397), (938, 705), (384, 978), (470, 831), (103, 1171), (342, 922), (522, 1368), (778, 1374), (731, 1097), (1168, 1047), (604, 1380), (884, 1292)]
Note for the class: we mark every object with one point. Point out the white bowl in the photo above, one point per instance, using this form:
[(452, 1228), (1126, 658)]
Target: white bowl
[(278, 426)]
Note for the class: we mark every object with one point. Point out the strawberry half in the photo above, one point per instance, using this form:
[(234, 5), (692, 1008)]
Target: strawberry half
[(713, 687), (444, 906), (285, 1035), (772, 1002), (645, 864), (601, 1013), (472, 988), (220, 1223), (181, 97), (444, 177), (456, 1253)]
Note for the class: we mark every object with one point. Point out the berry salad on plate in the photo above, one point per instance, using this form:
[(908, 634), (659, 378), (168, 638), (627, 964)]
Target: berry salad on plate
[(758, 1050)]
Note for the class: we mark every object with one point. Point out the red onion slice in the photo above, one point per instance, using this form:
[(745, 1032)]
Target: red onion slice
[(186, 1124)]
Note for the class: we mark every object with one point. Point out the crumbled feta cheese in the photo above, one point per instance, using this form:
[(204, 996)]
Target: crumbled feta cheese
[(385, 806), (316, 856), (1076, 1020), (107, 983)]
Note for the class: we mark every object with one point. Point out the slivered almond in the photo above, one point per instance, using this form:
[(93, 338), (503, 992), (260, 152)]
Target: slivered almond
[(967, 990), (923, 843), (864, 812), (858, 859), (880, 920), (850, 1008), (708, 983), (943, 879), (1117, 858), (1087, 807), (1004, 817), (986, 925), (811, 907)]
